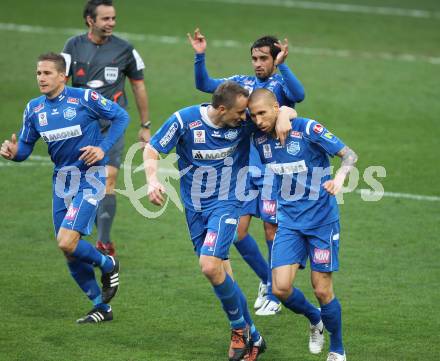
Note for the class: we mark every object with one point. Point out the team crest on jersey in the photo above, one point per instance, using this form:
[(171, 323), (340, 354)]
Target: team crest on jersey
[(261, 139), (71, 100), (195, 124), (42, 119), (199, 136), (69, 113), (231, 134), (39, 107), (295, 134), (94, 95), (267, 151), (111, 74), (293, 148)]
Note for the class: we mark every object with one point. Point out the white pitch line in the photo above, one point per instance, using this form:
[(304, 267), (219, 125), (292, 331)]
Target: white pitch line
[(162, 39), (337, 7), (36, 160)]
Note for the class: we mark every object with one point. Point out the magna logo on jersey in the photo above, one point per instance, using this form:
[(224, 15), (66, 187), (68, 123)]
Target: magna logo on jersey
[(321, 255), (213, 154), (168, 135), (195, 124), (69, 113), (199, 136), (61, 134), (42, 119)]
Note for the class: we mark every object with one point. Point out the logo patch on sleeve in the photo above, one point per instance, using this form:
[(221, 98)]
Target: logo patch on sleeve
[(318, 128), (321, 256), (94, 95)]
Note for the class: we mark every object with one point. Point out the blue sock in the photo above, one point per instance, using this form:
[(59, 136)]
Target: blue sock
[(250, 252), (332, 319), (255, 335), (84, 275), (270, 295), (86, 253), (299, 304), (230, 299)]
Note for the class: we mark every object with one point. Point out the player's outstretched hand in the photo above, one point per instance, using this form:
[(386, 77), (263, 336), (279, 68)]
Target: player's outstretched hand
[(198, 42), (283, 125), (9, 148), (91, 154), (156, 192), (332, 186), (282, 55)]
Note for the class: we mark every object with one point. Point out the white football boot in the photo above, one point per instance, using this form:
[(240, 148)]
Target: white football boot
[(316, 338), (333, 356), (269, 308), (262, 296)]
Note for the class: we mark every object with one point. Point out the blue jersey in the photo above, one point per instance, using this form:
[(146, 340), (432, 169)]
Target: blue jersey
[(68, 123), (213, 158), (300, 168)]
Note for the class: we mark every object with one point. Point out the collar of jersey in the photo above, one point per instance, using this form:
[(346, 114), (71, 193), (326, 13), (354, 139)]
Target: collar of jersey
[(59, 98), (205, 117)]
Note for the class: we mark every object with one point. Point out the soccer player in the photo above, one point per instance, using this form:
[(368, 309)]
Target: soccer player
[(101, 61), (212, 142), (308, 218), (268, 55), (67, 120)]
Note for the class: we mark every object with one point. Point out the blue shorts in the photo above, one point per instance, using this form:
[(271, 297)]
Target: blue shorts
[(320, 245), (212, 232), (77, 210)]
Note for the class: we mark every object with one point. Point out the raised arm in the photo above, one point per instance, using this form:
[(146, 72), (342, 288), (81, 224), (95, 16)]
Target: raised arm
[(283, 125), (295, 90), (202, 80)]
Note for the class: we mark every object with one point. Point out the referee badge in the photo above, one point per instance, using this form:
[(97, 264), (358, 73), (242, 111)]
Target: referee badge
[(111, 74)]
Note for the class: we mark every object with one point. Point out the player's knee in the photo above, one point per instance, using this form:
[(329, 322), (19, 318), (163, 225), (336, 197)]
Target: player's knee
[(211, 271), (281, 290), (65, 244), (323, 294)]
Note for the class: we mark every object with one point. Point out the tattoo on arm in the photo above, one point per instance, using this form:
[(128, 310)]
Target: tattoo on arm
[(349, 158)]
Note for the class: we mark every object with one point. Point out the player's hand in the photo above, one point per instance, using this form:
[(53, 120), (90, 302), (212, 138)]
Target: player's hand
[(9, 148), (144, 136), (282, 55), (198, 42), (332, 186), (283, 125), (156, 192), (91, 154)]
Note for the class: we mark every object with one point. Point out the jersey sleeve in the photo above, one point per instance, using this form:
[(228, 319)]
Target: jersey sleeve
[(28, 136), (292, 87), (167, 137), (106, 109), (318, 134), (135, 65), (203, 82)]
